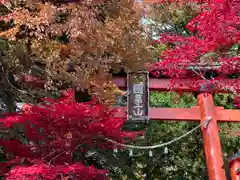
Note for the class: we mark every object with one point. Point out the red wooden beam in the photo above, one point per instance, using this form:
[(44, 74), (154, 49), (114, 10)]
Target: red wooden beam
[(154, 84), (167, 85), (183, 114), (189, 114), (212, 145)]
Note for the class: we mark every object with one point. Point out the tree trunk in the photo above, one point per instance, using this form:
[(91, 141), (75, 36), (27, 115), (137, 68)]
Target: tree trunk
[(6, 97)]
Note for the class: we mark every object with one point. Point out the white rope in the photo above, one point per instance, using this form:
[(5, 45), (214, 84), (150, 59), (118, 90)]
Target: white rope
[(163, 144)]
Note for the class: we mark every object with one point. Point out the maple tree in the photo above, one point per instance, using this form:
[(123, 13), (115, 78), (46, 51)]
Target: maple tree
[(72, 43), (52, 131), (209, 39), (68, 44)]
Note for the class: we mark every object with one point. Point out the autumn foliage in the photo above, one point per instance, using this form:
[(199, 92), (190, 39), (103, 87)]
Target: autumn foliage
[(51, 132), (67, 44), (212, 34), (76, 42)]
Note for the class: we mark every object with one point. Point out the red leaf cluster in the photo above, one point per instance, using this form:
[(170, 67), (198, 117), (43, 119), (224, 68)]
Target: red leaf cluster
[(54, 129), (47, 172), (215, 30)]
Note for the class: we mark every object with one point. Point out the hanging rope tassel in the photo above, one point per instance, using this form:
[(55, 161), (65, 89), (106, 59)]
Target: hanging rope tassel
[(150, 153), (130, 152), (165, 150), (115, 150)]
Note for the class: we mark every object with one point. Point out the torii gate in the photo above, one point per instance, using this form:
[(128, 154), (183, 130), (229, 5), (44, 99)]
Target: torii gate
[(206, 108)]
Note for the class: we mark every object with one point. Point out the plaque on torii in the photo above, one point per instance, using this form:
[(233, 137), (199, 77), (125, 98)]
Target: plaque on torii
[(138, 96)]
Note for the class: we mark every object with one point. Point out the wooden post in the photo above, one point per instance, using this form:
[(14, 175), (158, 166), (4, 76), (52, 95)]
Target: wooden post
[(234, 165), (211, 140)]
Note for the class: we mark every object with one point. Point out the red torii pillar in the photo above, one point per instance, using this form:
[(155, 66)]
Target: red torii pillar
[(235, 168), (212, 144)]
